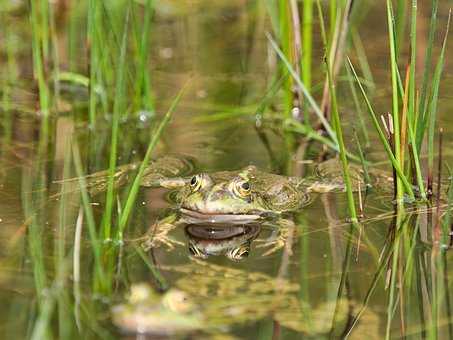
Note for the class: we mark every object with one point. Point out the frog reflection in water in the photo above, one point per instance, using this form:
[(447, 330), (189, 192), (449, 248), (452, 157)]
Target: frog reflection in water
[(212, 298), (231, 241)]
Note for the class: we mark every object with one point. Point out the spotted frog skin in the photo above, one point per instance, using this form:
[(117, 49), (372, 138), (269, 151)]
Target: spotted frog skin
[(249, 193), (239, 197), (229, 196), (212, 298)]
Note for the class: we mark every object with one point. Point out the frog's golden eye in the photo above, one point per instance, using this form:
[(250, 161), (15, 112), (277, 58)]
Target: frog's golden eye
[(242, 188), (195, 182)]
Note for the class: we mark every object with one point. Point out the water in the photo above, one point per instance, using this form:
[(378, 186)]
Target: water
[(221, 49)]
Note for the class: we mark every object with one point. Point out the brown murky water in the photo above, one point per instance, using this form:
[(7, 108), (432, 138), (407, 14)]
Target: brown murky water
[(222, 48)]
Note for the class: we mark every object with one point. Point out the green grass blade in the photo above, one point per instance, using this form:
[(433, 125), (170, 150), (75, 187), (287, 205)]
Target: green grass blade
[(306, 93), (307, 41), (432, 113), (426, 74), (94, 240), (382, 137), (362, 58), (117, 108), (93, 65), (395, 107), (142, 84), (339, 134), (136, 184), (358, 107)]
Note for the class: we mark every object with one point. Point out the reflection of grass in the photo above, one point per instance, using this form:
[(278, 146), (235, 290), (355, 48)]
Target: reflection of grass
[(411, 125), (412, 117), (117, 36)]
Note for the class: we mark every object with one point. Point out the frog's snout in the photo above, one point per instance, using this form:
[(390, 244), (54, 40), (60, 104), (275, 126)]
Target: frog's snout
[(217, 193)]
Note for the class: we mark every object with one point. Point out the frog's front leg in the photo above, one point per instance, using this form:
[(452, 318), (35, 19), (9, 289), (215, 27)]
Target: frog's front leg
[(281, 230), (158, 233)]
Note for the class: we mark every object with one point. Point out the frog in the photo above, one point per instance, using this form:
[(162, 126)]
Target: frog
[(218, 297), (147, 312), (235, 197), (245, 196)]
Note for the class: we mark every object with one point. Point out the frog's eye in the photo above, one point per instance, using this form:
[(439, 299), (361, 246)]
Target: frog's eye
[(195, 182), (242, 188), (200, 181), (239, 253)]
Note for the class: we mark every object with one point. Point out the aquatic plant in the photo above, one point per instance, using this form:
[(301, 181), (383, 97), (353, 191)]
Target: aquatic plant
[(86, 77)]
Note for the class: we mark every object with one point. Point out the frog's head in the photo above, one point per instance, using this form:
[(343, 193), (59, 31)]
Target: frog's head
[(220, 197)]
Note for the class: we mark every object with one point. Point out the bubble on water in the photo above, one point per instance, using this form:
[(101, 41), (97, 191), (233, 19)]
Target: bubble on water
[(144, 117), (258, 120)]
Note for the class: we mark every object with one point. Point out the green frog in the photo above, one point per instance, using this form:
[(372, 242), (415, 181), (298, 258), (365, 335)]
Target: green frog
[(147, 312), (244, 196), (239, 197), (248, 194)]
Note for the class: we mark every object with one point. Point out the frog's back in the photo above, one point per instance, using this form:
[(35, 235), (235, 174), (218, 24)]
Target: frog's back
[(280, 193)]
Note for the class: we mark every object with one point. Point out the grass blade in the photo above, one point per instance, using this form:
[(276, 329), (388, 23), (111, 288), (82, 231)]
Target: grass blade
[(432, 113), (136, 184), (117, 107), (382, 137), (306, 93)]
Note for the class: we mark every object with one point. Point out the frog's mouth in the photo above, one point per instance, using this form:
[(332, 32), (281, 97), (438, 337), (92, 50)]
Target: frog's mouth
[(194, 217)]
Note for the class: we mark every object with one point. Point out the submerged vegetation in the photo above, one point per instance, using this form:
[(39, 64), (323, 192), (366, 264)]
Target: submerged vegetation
[(91, 85)]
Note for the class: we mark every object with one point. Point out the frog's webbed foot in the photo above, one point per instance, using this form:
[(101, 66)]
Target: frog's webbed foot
[(277, 240), (158, 235)]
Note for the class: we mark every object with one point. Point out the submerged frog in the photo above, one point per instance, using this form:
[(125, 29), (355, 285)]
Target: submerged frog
[(220, 297), (147, 312)]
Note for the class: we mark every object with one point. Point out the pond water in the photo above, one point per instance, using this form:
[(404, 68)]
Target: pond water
[(337, 278)]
